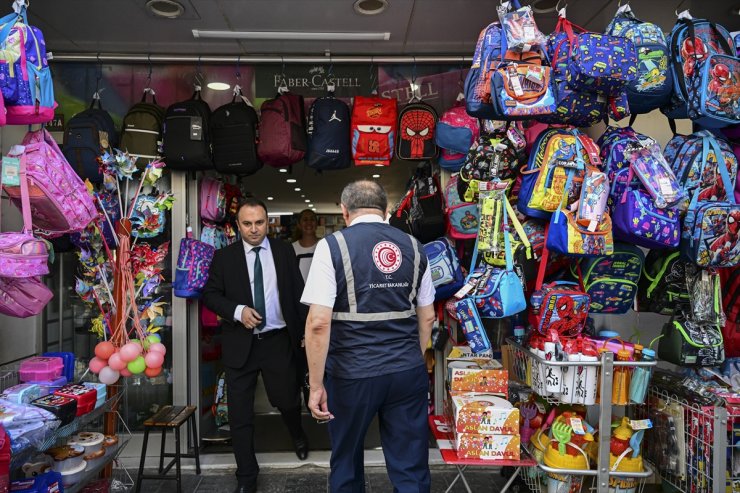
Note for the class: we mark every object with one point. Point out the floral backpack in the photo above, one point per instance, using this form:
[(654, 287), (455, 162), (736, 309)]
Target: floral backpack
[(193, 264)]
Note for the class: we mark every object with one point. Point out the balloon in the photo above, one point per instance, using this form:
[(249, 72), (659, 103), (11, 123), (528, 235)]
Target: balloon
[(96, 364), (154, 338), (152, 372), (126, 373), (108, 375), (104, 349), (158, 347), (130, 351), (116, 362), (154, 359), (137, 366)]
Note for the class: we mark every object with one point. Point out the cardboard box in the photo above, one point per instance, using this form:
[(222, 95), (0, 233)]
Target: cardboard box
[(464, 353), (476, 379), (487, 447), (484, 414)]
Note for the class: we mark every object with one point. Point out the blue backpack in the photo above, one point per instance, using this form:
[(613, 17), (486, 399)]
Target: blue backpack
[(329, 134), (693, 44), (653, 86), (447, 275), (611, 280), (601, 63), (695, 166), (88, 134), (477, 83)]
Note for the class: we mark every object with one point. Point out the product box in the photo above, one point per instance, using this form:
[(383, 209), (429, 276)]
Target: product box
[(41, 368), (86, 397), (464, 353), (22, 393), (487, 447), (477, 379), (485, 414)]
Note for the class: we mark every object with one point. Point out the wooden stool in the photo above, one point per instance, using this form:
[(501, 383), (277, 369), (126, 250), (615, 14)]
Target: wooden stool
[(168, 418)]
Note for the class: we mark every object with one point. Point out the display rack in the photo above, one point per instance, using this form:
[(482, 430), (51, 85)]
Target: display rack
[(518, 359)]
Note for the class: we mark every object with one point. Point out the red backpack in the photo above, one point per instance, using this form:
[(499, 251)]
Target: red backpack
[(373, 130), (282, 130), (730, 279)]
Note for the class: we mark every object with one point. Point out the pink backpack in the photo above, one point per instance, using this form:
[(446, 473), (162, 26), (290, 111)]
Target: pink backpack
[(60, 202), (282, 130), (212, 199), (23, 298)]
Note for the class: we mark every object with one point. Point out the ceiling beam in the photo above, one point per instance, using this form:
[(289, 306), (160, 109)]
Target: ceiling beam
[(254, 59)]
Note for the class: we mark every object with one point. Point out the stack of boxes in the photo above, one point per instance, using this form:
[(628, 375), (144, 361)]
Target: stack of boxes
[(485, 424)]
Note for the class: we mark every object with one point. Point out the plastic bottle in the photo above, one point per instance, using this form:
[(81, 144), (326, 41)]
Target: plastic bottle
[(553, 374), (621, 382), (641, 378), (572, 351), (588, 382)]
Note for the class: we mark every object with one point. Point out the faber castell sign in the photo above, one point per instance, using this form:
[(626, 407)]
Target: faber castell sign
[(312, 80)]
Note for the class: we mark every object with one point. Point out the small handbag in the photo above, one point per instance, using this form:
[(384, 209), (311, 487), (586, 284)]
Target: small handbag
[(24, 297), (688, 343)]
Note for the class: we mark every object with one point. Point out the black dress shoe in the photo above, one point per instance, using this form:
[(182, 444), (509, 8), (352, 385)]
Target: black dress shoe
[(245, 489), (301, 446)]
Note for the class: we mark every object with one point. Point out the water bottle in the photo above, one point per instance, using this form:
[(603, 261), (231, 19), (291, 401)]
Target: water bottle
[(641, 378)]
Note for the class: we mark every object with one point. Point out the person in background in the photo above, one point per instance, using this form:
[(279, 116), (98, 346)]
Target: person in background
[(371, 313), (255, 285), (305, 240)]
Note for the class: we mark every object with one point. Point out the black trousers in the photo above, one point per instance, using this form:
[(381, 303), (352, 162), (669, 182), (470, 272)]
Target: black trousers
[(273, 357)]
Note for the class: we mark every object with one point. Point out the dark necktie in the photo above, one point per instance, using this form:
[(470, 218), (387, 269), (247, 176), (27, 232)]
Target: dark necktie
[(259, 287)]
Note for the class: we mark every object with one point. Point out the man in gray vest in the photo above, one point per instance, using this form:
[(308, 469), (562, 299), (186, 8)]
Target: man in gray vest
[(370, 294)]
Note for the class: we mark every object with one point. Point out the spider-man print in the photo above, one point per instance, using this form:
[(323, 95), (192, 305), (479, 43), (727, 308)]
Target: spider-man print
[(417, 134)]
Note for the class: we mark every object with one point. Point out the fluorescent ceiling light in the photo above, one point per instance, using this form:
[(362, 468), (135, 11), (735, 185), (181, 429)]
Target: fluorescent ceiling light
[(307, 201), (283, 170), (297, 189), (294, 35), (218, 86), (279, 213), (376, 176), (291, 180), (270, 198)]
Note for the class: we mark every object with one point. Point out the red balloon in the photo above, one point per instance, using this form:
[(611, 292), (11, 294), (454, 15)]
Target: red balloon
[(152, 372), (104, 349)]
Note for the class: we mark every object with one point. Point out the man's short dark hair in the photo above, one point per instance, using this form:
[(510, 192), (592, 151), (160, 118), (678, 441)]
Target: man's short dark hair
[(364, 194), (250, 202)]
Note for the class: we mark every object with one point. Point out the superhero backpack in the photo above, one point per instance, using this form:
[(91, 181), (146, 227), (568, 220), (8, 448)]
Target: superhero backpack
[(329, 134), (730, 279), (187, 135), (416, 125), (87, 135), (653, 86), (373, 130), (141, 132), (282, 130), (234, 137)]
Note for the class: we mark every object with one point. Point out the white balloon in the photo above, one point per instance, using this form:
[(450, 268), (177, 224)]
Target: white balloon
[(108, 375)]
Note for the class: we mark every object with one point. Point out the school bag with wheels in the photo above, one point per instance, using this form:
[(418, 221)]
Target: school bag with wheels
[(611, 280), (653, 86), (88, 134), (329, 134), (234, 137), (187, 135), (141, 131), (417, 122), (282, 130), (373, 130)]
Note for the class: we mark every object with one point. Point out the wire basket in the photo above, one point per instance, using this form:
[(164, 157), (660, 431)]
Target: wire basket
[(543, 479)]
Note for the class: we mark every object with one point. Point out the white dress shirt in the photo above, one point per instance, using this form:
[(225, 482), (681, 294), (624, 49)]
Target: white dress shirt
[(274, 316), (321, 285)]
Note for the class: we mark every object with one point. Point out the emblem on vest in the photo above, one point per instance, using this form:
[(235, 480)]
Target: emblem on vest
[(387, 257)]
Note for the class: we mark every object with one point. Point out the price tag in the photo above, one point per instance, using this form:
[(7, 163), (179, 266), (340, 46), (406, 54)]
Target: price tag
[(577, 426), (514, 79), (665, 185), (535, 74), (641, 424), (528, 33), (11, 175), (592, 225)]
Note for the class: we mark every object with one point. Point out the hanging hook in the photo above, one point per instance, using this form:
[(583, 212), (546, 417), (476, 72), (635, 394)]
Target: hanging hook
[(283, 87), (330, 85), (149, 75), (373, 77), (98, 77), (238, 73), (198, 83)]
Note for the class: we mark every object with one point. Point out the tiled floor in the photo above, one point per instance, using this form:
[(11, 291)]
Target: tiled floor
[(312, 479)]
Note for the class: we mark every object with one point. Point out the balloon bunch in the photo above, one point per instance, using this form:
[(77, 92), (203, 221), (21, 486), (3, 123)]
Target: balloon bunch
[(133, 358)]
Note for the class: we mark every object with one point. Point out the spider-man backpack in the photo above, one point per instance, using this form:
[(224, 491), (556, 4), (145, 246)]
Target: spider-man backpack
[(373, 130), (416, 125)]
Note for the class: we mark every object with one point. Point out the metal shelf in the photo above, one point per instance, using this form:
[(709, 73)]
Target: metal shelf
[(92, 473)]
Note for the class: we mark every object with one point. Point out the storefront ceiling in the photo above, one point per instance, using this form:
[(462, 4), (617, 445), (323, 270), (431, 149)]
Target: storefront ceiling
[(416, 26)]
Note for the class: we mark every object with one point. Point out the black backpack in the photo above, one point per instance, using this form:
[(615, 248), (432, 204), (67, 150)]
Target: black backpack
[(234, 133), (87, 135), (187, 135), (329, 134), (416, 125), (421, 211), (141, 132), (662, 286)]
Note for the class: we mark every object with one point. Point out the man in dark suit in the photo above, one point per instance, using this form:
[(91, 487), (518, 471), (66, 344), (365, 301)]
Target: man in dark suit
[(255, 286)]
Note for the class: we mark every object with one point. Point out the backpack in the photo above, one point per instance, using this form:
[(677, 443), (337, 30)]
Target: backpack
[(373, 130), (652, 87), (220, 407), (685, 342), (462, 217), (447, 275), (187, 135), (421, 211), (491, 156), (611, 280), (214, 235), (193, 263), (212, 199), (141, 131), (88, 134), (23, 298), (601, 63), (522, 88), (692, 43), (731, 303), (456, 131), (328, 134), (696, 168), (234, 137), (662, 287), (733, 134), (59, 199), (417, 122), (477, 82), (282, 130), (25, 78)]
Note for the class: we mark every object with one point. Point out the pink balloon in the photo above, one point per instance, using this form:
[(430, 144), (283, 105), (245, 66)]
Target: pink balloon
[(96, 364), (154, 359), (130, 351), (108, 375), (158, 347), (126, 373), (116, 362)]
